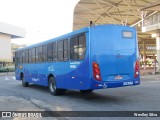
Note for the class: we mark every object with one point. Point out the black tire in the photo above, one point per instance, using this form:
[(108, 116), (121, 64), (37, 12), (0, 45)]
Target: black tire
[(53, 88), (86, 91), (24, 83)]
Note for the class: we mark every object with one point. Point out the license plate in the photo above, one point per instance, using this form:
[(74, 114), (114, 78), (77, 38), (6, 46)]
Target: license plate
[(118, 77)]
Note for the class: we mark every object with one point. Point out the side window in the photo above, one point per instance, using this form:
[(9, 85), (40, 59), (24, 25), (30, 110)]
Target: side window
[(82, 46), (26, 56), (65, 49), (30, 55), (40, 53), (23, 57), (74, 48), (36, 54), (60, 50), (20, 57), (16, 59), (33, 55), (44, 53), (77, 47), (49, 52), (54, 51)]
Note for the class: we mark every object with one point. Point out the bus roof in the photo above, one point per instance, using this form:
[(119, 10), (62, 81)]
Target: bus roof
[(57, 38), (86, 29)]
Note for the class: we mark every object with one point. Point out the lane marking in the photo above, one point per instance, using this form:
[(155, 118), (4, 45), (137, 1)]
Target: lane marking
[(13, 78)]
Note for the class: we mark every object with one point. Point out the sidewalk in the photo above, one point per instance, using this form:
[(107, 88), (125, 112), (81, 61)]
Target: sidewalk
[(151, 77), (5, 73), (149, 74), (147, 71)]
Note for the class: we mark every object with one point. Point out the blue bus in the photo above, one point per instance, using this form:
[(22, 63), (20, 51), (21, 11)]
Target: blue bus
[(96, 57)]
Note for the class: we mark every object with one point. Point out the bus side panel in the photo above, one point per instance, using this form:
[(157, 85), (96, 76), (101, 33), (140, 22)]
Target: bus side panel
[(77, 79), (65, 76), (34, 73), (38, 74)]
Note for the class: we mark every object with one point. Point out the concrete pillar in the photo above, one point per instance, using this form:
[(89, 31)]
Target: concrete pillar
[(144, 54), (158, 50)]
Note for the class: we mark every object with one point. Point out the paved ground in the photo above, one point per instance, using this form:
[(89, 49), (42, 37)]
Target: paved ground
[(146, 97)]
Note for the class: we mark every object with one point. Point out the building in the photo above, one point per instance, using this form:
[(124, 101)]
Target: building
[(8, 32)]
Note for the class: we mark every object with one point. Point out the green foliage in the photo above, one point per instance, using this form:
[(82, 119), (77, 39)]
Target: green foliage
[(7, 69)]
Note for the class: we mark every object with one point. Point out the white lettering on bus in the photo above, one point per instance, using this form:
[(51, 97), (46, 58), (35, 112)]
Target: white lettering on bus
[(35, 79), (72, 66), (74, 63), (127, 83), (51, 68)]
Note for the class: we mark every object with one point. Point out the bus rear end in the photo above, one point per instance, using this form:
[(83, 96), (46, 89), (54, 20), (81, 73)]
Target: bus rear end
[(114, 57)]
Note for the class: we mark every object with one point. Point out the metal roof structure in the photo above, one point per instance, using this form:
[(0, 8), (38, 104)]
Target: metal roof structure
[(153, 7), (124, 12)]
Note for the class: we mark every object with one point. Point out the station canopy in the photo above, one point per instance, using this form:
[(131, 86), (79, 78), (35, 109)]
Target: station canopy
[(124, 12)]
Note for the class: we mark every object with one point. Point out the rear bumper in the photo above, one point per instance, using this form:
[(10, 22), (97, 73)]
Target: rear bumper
[(113, 84)]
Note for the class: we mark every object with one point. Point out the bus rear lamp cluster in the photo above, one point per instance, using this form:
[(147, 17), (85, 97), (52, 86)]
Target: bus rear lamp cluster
[(136, 72), (96, 71)]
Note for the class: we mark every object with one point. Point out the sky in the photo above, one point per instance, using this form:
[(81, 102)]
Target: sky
[(42, 19)]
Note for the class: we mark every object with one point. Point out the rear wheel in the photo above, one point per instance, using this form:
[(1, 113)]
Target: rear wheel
[(53, 87), (24, 83)]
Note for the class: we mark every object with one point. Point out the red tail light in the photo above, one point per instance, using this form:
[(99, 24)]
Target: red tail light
[(136, 72), (96, 71)]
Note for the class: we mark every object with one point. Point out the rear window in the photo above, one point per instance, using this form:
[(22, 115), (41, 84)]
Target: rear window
[(127, 34)]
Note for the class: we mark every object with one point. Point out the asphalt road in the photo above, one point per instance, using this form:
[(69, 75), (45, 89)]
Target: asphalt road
[(15, 97)]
